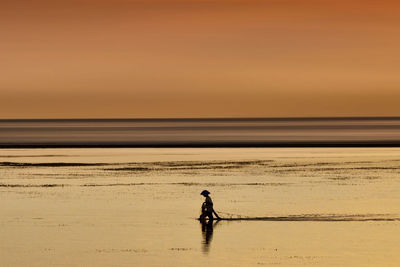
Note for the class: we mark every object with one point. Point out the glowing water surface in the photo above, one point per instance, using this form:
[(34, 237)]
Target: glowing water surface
[(137, 207)]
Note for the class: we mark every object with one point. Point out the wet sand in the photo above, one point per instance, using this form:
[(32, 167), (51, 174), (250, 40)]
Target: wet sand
[(138, 207)]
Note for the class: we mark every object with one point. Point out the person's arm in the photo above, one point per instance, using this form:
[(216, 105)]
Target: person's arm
[(213, 211), (216, 215)]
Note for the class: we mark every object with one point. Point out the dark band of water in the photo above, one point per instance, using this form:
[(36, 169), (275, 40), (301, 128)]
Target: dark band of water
[(219, 132)]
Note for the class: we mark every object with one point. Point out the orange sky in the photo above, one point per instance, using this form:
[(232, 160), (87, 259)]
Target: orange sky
[(199, 58)]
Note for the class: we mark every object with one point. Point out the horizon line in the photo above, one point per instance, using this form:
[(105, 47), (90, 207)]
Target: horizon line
[(205, 118)]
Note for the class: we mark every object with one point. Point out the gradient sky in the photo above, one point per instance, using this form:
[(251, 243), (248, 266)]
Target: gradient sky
[(199, 58)]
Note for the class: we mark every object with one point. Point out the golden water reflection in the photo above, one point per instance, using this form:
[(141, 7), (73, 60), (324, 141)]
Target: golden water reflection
[(138, 207), (207, 229)]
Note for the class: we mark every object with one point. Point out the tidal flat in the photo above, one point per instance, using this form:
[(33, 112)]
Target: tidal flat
[(138, 206)]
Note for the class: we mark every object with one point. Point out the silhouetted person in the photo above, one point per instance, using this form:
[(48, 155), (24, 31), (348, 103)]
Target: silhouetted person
[(207, 208)]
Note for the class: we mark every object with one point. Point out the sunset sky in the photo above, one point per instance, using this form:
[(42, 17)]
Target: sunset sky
[(199, 58)]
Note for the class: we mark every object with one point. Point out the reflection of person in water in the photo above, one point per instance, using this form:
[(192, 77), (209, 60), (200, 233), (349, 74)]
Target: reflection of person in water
[(207, 229), (207, 209)]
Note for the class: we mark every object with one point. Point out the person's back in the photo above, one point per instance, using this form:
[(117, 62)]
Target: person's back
[(208, 204)]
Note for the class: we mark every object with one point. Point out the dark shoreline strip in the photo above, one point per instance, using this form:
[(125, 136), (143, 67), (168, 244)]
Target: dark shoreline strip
[(239, 144), (32, 185)]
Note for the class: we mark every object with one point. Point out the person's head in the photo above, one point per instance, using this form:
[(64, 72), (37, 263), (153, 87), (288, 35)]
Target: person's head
[(205, 193)]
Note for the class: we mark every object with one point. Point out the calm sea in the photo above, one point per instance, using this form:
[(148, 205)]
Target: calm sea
[(201, 132)]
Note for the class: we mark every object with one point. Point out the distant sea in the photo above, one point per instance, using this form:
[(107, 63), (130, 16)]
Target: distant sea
[(219, 132)]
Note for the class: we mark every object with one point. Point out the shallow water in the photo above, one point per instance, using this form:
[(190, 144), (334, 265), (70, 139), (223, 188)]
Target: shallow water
[(124, 207)]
